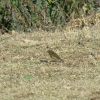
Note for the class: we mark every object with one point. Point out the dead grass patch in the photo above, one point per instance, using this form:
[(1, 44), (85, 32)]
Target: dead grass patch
[(26, 72)]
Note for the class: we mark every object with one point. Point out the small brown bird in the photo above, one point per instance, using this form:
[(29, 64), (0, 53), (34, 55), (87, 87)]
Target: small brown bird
[(54, 55)]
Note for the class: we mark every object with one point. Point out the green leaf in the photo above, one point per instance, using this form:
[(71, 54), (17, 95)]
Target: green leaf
[(27, 78), (49, 1), (68, 7), (73, 1)]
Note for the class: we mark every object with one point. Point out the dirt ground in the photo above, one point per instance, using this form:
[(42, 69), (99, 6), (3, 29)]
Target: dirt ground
[(28, 73)]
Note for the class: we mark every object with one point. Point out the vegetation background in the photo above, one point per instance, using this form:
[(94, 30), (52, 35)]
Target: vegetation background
[(28, 15)]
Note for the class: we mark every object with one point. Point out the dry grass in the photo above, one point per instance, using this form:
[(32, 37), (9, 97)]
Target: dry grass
[(26, 72)]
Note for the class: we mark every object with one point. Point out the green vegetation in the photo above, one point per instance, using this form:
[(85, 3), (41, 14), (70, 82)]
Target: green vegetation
[(25, 15)]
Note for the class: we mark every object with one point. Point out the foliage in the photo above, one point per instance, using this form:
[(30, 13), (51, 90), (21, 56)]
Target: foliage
[(25, 15)]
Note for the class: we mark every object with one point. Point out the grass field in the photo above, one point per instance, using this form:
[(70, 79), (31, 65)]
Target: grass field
[(28, 73)]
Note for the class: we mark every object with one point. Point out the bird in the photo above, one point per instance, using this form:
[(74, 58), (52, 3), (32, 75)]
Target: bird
[(54, 55)]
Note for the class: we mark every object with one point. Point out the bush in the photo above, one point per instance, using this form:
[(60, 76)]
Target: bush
[(25, 15)]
